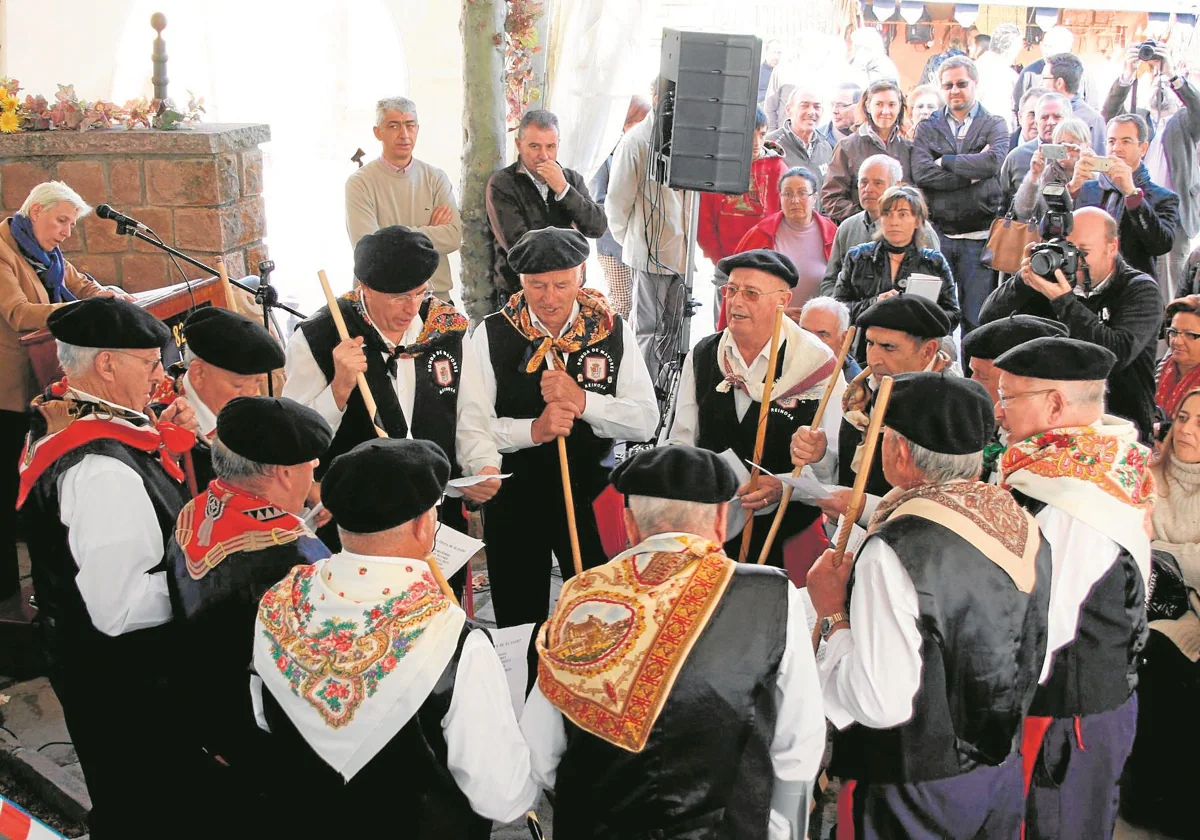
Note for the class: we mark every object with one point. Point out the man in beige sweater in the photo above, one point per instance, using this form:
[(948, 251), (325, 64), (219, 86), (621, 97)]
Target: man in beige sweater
[(398, 189)]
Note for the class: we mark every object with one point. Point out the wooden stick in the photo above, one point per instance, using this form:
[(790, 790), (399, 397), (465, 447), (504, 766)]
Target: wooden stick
[(189, 473), (443, 584), (230, 300), (815, 423), (363, 388), (859, 492), (568, 495), (764, 411)]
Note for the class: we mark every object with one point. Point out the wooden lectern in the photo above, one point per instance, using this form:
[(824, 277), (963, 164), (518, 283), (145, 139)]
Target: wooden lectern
[(170, 304)]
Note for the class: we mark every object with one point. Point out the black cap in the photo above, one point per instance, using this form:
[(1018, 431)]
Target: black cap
[(685, 473), (108, 323), (763, 259), (991, 341), (548, 249), (394, 260), (940, 412), (912, 314), (1059, 359), (384, 483), (273, 430), (231, 341)]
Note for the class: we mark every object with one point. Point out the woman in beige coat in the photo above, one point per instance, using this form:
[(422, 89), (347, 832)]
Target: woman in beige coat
[(35, 280)]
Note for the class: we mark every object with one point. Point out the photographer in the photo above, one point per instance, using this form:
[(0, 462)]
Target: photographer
[(1147, 214), (1102, 299)]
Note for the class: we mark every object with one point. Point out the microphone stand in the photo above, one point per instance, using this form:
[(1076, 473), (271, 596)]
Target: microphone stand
[(125, 229), (267, 296)]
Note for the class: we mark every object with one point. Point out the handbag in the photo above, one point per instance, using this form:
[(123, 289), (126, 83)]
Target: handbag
[(1006, 241)]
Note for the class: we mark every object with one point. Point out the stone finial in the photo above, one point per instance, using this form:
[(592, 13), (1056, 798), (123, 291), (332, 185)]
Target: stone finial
[(159, 57)]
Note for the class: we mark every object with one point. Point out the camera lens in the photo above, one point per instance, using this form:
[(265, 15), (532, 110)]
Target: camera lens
[(1146, 51), (1045, 262)]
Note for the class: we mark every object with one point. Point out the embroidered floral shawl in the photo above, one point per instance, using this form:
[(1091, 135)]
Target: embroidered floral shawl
[(621, 632), (592, 324), (439, 322)]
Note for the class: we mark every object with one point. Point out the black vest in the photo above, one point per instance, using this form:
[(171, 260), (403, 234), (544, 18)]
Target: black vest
[(409, 775), (1097, 671), (982, 646), (849, 439), (519, 394), (705, 771), (720, 429), (64, 615), (435, 403)]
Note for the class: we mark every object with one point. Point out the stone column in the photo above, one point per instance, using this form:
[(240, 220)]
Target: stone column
[(200, 189)]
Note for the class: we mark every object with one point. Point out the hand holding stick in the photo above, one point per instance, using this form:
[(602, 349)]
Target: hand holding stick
[(363, 388), (568, 495), (764, 411), (847, 343)]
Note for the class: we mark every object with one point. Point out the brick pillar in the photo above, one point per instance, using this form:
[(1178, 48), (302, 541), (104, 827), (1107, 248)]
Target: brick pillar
[(199, 189)]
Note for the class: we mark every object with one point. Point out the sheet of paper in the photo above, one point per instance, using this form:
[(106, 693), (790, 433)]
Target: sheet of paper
[(804, 489), (926, 287), (512, 646), (454, 486), (737, 514), (453, 549)]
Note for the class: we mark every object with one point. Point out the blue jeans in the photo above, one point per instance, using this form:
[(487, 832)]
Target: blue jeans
[(974, 279)]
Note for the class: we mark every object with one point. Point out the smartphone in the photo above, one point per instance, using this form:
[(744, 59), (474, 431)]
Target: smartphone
[(1101, 164), (1053, 151)]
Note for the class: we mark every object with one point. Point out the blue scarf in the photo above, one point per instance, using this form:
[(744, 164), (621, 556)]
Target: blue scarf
[(50, 266)]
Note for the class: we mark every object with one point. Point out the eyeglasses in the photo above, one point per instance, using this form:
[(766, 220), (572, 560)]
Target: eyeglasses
[(961, 84), (730, 291), (788, 195), (153, 363), (1174, 333), (1005, 399), (419, 296)]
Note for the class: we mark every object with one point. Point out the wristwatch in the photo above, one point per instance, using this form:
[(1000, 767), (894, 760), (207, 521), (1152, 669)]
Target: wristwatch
[(829, 621)]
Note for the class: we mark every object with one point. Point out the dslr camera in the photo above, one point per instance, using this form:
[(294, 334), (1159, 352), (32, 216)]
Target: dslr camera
[(1055, 252), (1147, 50)]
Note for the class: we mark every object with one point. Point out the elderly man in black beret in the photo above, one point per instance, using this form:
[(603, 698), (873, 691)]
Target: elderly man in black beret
[(100, 490), (239, 537), (983, 345), (1085, 476), (721, 389), (414, 351), (932, 660), (225, 355), (622, 724), (557, 362), (903, 335), (370, 674)]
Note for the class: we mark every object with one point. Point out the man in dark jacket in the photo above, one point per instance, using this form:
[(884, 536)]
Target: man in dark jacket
[(1111, 304), (1171, 156), (957, 155), (535, 193), (1146, 213)]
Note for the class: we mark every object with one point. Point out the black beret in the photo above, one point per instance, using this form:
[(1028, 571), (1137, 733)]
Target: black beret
[(273, 430), (548, 249), (108, 323), (1060, 359), (990, 341), (912, 314), (766, 260), (676, 472), (384, 483), (394, 260), (232, 341), (940, 412)]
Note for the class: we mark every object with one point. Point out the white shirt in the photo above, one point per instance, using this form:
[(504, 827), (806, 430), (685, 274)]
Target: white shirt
[(685, 426), (871, 671), (796, 747), (205, 418), (1080, 555), (115, 540), (307, 385), (629, 414)]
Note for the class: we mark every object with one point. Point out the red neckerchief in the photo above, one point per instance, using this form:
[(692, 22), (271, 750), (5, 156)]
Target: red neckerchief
[(1172, 387), (167, 439)]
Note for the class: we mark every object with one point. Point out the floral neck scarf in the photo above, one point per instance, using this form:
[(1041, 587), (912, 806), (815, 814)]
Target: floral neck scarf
[(593, 324)]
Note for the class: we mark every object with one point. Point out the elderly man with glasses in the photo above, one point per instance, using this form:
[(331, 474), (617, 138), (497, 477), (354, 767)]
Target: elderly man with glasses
[(722, 387), (412, 349)]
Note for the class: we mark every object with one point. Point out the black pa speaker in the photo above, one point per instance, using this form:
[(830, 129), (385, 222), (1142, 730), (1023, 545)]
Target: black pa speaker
[(704, 118)]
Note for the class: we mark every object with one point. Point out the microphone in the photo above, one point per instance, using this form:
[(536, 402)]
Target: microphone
[(106, 211)]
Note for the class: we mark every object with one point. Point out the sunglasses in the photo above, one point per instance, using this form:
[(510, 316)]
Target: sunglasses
[(961, 84)]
